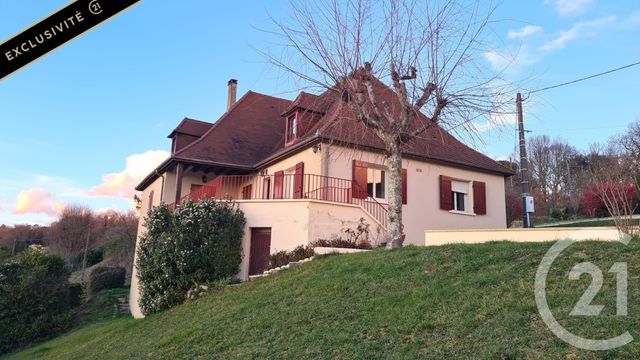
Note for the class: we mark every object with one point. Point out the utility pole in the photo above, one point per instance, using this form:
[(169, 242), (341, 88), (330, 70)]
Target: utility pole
[(524, 164)]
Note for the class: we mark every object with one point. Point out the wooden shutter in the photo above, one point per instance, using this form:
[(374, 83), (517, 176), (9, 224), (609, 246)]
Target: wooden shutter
[(298, 181), (246, 192), (479, 198), (446, 197), (359, 179), (278, 180), (404, 186)]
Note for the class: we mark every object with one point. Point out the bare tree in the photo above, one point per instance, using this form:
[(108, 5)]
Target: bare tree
[(428, 53), (71, 234), (553, 170), (616, 185)]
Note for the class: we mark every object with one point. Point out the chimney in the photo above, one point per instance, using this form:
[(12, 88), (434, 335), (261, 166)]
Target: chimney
[(231, 97)]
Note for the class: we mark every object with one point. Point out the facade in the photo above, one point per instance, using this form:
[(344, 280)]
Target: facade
[(304, 170)]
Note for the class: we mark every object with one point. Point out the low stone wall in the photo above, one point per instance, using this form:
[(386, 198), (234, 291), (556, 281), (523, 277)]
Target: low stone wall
[(441, 237), (334, 250)]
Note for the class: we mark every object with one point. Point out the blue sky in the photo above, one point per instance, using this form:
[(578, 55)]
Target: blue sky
[(82, 123)]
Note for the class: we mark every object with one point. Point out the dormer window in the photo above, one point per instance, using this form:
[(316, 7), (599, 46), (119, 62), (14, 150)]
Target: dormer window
[(292, 127)]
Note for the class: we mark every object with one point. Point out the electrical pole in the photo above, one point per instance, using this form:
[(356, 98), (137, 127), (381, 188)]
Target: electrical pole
[(524, 164)]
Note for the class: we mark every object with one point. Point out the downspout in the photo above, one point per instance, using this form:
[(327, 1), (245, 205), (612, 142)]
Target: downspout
[(161, 186)]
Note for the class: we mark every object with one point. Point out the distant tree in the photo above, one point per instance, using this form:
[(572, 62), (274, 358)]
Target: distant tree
[(72, 233)]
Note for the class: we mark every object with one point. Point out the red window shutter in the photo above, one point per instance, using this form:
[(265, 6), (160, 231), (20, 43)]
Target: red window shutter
[(298, 181), (404, 186), (246, 192), (359, 179), (446, 197), (278, 180), (479, 198)]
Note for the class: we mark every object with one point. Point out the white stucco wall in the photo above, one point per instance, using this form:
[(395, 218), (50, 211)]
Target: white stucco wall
[(299, 222)]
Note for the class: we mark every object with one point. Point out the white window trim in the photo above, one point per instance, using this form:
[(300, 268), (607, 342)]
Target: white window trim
[(386, 182), (468, 198)]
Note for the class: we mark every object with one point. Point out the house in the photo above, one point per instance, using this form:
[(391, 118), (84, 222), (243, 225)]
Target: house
[(303, 170)]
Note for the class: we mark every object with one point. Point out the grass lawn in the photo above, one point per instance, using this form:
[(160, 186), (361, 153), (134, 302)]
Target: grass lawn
[(589, 223), (447, 302)]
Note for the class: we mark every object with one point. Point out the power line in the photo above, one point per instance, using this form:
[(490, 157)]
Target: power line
[(583, 79)]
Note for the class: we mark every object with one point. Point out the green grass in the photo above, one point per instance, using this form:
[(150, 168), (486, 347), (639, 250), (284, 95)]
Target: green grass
[(590, 223), (448, 302)]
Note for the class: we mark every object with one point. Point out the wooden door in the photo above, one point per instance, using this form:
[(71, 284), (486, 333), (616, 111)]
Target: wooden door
[(260, 250)]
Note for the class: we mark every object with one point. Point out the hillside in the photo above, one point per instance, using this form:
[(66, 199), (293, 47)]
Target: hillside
[(455, 301)]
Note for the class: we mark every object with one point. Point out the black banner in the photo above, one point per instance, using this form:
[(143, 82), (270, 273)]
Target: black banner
[(57, 29)]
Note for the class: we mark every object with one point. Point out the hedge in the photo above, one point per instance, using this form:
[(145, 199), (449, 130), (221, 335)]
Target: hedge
[(34, 298), (198, 243), (104, 277)]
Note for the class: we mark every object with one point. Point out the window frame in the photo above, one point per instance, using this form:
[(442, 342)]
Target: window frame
[(467, 197), (290, 136), (373, 194)]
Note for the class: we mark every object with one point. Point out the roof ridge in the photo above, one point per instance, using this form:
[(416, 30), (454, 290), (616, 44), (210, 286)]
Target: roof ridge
[(196, 120)]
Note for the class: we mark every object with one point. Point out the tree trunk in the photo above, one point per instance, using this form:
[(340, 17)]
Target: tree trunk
[(394, 230)]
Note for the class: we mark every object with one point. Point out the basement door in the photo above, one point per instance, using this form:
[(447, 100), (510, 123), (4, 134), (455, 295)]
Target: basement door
[(260, 250)]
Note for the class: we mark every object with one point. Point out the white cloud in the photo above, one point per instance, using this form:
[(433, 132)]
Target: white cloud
[(509, 60), (122, 184), (580, 29), (37, 201), (570, 7), (524, 32)]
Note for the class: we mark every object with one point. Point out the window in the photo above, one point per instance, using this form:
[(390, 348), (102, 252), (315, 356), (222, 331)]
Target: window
[(292, 127), (376, 183), (460, 193)]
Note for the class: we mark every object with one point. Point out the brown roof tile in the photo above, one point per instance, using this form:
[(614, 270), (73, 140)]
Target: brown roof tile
[(191, 127)]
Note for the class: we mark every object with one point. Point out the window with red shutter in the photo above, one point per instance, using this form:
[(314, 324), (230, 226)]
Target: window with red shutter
[(246, 192), (404, 186), (359, 179), (298, 181), (278, 180), (479, 198), (446, 194)]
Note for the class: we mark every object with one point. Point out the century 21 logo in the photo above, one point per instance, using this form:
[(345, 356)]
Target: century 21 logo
[(583, 307)]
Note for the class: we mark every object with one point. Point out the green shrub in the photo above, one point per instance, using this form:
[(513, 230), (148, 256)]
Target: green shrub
[(105, 277), (281, 258), (341, 243), (76, 292), (198, 243), (94, 256), (34, 298)]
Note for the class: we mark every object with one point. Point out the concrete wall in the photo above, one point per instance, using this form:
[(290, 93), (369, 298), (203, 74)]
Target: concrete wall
[(156, 187), (476, 236), (312, 162), (299, 222), (422, 210)]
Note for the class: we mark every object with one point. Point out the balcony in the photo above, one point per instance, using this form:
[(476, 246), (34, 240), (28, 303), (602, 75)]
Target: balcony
[(288, 187)]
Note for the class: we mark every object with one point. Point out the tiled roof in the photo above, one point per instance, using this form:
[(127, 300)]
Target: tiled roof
[(191, 127), (251, 133), (246, 134)]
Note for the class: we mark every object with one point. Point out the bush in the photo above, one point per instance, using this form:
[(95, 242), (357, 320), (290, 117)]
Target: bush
[(357, 238), (76, 292), (94, 256), (199, 243), (34, 298), (281, 258), (104, 277)]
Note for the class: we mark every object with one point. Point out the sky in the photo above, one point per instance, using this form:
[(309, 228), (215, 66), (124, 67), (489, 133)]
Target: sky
[(85, 123)]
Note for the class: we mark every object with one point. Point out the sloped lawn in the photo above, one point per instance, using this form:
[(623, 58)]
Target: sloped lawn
[(448, 302)]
